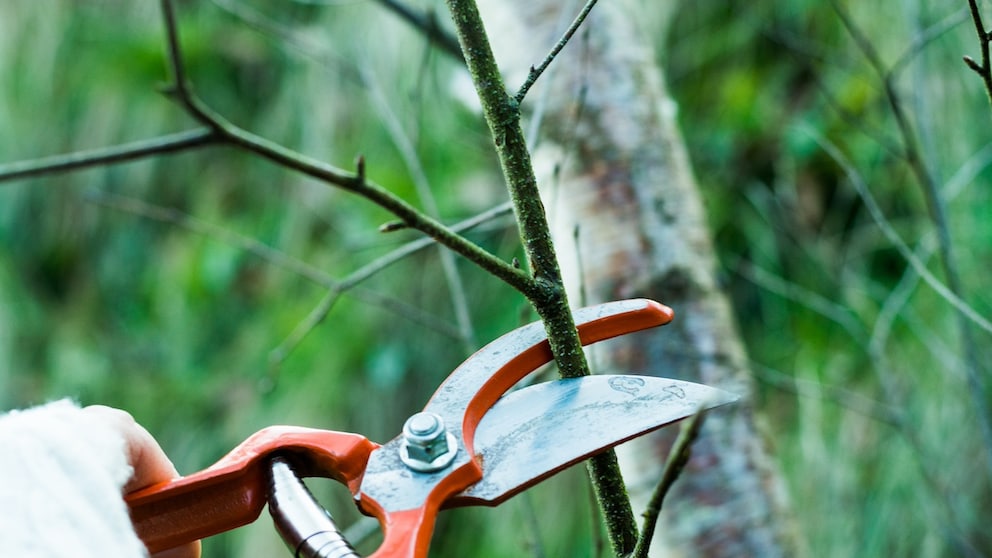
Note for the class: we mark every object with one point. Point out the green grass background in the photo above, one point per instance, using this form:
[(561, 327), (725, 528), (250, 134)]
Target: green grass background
[(859, 365)]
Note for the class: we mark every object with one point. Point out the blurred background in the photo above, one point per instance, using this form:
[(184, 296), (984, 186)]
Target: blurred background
[(177, 287)]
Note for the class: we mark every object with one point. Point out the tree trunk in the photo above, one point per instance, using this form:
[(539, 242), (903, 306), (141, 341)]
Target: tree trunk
[(629, 222)]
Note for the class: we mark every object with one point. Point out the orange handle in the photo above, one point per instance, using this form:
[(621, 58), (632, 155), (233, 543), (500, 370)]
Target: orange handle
[(232, 492)]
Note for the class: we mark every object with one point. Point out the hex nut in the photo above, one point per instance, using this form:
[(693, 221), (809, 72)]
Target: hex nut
[(427, 445)]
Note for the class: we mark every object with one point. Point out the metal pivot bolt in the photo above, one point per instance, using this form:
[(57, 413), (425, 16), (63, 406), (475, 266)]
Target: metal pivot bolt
[(427, 445)]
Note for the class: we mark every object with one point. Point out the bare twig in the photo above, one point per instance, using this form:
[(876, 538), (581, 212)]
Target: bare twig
[(427, 23), (317, 315), (936, 207), (219, 130), (378, 265), (834, 311), (335, 288), (984, 70), (678, 458), (930, 34), (351, 182), (535, 73), (182, 141), (252, 246), (408, 152), (977, 390), (890, 233)]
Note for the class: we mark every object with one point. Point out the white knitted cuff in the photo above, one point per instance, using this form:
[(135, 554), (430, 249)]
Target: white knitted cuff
[(61, 477)]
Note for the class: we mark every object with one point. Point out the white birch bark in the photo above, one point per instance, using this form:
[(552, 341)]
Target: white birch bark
[(629, 222)]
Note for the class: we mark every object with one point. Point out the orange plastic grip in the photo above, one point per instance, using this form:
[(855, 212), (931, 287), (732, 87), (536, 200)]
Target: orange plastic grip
[(232, 492)]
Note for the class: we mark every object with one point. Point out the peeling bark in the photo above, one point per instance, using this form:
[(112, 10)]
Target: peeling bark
[(628, 221)]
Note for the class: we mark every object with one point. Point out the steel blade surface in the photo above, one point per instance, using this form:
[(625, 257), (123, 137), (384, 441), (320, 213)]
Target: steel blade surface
[(532, 433)]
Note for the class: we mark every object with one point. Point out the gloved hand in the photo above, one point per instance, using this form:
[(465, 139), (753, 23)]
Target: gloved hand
[(63, 474)]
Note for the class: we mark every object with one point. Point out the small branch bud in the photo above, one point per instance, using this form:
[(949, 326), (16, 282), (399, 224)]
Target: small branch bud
[(392, 226), (973, 65), (360, 168)]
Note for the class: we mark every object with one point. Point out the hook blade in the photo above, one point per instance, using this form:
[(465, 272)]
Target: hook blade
[(537, 431)]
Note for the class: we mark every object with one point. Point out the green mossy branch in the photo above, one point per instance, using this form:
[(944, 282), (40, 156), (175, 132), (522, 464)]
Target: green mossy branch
[(502, 114)]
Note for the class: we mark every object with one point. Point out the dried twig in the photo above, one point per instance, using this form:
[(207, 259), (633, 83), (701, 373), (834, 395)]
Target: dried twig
[(535, 73), (964, 309), (172, 143), (408, 152), (351, 182), (317, 315), (936, 207), (427, 22), (183, 220), (678, 458)]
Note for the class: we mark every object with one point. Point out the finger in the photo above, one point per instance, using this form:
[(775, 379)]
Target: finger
[(146, 457), (150, 463)]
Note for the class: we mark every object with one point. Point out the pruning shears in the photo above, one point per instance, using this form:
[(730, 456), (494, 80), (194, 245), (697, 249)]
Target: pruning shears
[(473, 444)]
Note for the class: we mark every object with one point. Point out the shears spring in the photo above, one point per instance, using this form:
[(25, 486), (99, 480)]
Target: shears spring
[(307, 528)]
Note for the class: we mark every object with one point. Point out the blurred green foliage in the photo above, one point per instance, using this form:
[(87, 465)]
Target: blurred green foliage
[(859, 365)]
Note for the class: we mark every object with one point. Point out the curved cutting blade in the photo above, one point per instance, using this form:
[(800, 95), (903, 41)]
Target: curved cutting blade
[(533, 433)]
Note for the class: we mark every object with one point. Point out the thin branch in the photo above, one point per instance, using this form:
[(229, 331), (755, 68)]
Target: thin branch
[(929, 35), (317, 315), (176, 217), (890, 233), (913, 154), (984, 70), (408, 152), (286, 37), (977, 387), (379, 264), (335, 288), (351, 182), (678, 458), (837, 312), (161, 145), (427, 23), (535, 73), (174, 57), (539, 106), (936, 207)]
